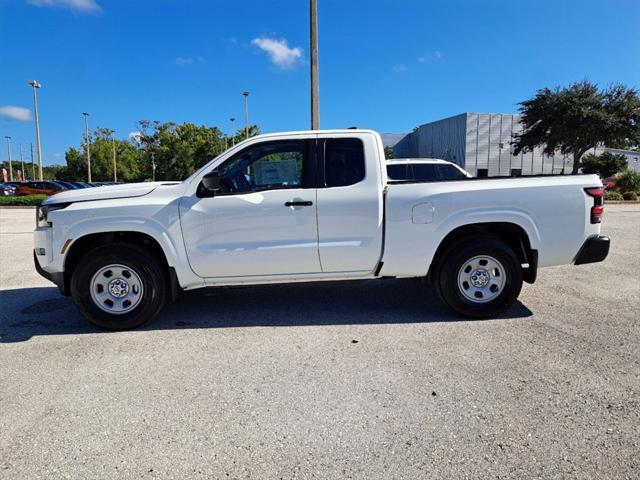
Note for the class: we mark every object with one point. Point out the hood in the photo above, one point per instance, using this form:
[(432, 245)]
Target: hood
[(106, 192)]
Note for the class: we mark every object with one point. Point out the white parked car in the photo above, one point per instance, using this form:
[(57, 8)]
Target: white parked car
[(310, 206), (424, 170)]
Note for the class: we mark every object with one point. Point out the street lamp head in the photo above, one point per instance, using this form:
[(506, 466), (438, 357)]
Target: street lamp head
[(85, 114), (34, 84), (246, 94), (232, 119)]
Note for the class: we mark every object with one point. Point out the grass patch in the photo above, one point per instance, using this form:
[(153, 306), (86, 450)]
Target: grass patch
[(24, 201)]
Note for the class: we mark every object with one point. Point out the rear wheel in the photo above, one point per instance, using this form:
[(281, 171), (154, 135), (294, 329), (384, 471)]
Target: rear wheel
[(479, 277), (119, 286)]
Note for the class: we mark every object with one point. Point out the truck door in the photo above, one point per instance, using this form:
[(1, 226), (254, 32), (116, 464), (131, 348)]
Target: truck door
[(350, 205), (264, 220)]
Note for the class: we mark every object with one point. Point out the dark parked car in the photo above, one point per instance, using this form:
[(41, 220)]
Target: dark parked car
[(9, 188), (68, 185), (424, 170), (40, 188)]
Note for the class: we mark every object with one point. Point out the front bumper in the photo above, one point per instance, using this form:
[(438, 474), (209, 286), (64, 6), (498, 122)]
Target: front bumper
[(57, 277), (594, 249)]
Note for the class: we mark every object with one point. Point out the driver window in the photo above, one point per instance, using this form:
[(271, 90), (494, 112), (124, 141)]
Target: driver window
[(267, 166)]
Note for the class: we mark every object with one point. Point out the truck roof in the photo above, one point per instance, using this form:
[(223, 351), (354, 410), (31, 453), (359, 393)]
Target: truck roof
[(311, 132), (417, 160)]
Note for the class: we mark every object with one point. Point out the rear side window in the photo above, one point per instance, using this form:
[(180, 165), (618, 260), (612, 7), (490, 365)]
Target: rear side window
[(449, 172), (424, 172), (399, 172), (343, 162)]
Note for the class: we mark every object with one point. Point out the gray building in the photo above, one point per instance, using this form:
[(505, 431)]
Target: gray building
[(481, 143)]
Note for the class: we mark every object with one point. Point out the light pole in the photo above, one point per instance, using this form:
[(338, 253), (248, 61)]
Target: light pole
[(33, 165), (22, 164), (86, 144), (233, 136), (115, 171), (315, 93), (9, 153), (246, 114), (35, 86)]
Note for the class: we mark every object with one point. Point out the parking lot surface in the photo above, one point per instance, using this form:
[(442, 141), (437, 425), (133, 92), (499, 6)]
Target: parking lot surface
[(367, 380)]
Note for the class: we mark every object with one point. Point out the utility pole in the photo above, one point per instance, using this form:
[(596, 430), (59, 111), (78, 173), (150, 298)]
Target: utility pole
[(33, 165), (35, 86), (86, 144), (153, 166), (246, 114), (22, 164), (9, 153), (233, 136), (115, 171), (315, 94)]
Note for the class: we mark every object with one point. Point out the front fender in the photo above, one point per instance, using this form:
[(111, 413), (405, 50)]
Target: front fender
[(167, 236), (126, 224)]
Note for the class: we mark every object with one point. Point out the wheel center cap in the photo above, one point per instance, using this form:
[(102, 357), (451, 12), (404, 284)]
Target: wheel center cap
[(118, 288), (480, 278)]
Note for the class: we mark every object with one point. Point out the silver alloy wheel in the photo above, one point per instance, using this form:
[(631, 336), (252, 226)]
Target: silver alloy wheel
[(116, 289), (481, 279)]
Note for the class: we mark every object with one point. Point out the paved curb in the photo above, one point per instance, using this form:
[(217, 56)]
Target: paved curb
[(16, 206)]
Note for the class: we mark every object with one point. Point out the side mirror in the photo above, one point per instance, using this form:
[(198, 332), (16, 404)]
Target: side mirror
[(210, 185)]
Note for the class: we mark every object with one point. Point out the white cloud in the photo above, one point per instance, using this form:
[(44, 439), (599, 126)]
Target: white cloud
[(189, 60), (278, 51), (429, 57), (15, 113), (400, 67), (135, 136), (85, 6)]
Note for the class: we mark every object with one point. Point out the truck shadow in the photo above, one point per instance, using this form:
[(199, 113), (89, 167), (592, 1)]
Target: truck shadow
[(29, 312)]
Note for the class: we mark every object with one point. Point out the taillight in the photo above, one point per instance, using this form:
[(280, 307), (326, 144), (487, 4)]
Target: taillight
[(598, 203)]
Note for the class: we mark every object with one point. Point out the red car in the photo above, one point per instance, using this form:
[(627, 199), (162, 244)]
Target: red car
[(39, 188)]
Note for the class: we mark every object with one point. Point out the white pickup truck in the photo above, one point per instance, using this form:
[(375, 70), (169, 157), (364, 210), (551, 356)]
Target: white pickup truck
[(312, 206)]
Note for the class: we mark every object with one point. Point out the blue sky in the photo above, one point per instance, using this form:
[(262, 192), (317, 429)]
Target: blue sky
[(386, 65)]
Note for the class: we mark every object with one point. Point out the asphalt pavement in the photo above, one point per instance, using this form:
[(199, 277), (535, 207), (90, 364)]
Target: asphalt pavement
[(370, 380)]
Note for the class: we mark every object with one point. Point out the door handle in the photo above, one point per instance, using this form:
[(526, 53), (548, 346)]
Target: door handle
[(298, 203)]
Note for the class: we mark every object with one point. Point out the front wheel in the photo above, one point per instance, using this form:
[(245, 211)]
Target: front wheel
[(479, 278), (119, 286)]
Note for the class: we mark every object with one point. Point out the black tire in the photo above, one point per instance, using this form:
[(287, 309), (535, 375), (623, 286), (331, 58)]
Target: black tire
[(447, 285), (147, 267)]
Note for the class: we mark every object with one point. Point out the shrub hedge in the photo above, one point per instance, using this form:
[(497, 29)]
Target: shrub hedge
[(630, 196), (23, 201), (613, 196)]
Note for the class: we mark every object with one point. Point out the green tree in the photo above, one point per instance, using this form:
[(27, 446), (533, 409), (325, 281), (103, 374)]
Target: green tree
[(629, 181), (577, 118), (178, 150), (101, 144), (49, 172), (389, 153), (605, 165)]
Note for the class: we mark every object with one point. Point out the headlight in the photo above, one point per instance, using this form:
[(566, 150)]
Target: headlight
[(43, 211)]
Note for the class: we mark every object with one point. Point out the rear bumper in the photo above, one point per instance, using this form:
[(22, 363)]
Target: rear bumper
[(57, 278), (594, 249)]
